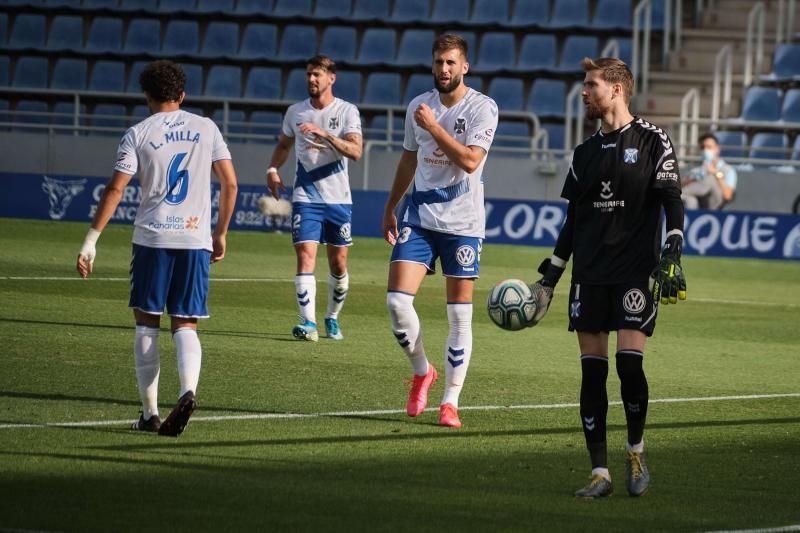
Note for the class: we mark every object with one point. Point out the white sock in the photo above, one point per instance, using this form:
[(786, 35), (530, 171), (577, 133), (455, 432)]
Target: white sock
[(148, 366), (337, 292), (458, 350), (638, 448), (189, 354), (602, 472), (306, 291), (406, 329)]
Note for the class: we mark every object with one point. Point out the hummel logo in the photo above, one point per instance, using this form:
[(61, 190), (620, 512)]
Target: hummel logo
[(588, 422)]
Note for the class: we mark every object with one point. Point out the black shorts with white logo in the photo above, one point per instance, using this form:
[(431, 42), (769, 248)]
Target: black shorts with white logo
[(596, 308)]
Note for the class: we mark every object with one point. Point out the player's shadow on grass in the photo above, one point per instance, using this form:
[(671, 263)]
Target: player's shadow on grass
[(442, 433)]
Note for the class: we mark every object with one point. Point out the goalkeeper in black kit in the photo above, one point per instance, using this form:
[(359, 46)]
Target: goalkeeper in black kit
[(619, 181)]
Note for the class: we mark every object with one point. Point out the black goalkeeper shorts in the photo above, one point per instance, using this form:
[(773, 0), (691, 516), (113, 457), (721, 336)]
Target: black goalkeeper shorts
[(604, 308)]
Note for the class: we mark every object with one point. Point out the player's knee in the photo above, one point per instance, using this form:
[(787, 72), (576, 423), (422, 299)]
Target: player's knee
[(399, 303), (629, 364), (459, 316)]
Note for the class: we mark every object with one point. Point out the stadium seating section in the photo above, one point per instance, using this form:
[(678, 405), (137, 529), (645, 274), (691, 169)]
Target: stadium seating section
[(524, 53)]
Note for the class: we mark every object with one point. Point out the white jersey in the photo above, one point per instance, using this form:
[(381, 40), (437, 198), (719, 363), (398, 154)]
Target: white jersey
[(321, 170), (445, 197), (172, 155)]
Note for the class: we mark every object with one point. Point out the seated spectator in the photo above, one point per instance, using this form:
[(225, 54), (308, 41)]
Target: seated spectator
[(711, 185)]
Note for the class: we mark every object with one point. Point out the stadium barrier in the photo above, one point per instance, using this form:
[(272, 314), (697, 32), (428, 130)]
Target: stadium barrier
[(526, 222)]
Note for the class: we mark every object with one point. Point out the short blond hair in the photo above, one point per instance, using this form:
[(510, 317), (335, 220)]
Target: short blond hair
[(612, 70)]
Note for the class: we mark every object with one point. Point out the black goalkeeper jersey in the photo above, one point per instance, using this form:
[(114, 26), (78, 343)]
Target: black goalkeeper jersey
[(614, 186)]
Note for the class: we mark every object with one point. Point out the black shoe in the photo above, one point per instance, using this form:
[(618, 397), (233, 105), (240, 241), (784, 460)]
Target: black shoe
[(176, 422), (152, 424)]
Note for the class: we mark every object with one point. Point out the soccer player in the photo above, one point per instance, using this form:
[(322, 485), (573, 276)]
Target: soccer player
[(172, 152), (326, 132), (619, 181), (448, 132)]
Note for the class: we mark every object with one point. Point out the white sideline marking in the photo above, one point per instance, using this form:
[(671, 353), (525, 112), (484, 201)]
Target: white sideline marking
[(763, 530), (377, 412), (289, 280)]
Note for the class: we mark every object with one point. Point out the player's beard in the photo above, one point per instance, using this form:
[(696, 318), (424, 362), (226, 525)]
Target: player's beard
[(455, 81), (314, 91), (594, 111)]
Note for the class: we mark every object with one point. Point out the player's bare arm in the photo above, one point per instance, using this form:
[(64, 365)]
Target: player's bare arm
[(227, 200), (467, 158), (350, 146), (403, 177), (112, 195), (279, 157)]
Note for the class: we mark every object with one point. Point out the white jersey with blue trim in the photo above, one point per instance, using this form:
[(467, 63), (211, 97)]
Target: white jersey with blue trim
[(445, 197), (321, 170), (171, 153)]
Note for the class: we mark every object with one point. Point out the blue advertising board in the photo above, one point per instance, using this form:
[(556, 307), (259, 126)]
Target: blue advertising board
[(533, 223)]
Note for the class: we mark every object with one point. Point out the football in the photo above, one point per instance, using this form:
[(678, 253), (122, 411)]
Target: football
[(512, 305)]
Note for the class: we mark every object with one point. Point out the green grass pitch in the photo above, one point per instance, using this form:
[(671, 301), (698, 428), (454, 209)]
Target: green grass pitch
[(66, 357)]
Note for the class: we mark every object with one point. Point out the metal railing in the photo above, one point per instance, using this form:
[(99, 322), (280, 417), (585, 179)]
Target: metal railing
[(691, 98), (755, 31), (725, 55)]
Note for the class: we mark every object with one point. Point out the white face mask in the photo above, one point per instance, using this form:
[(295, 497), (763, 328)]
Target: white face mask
[(709, 156)]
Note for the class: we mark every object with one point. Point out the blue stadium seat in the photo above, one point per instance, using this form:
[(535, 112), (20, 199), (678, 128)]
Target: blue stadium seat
[(547, 98), (236, 120), (769, 145), (102, 4), (296, 86), (576, 47), (5, 63), (176, 5), (194, 79), (339, 43), (28, 31), (512, 134), (66, 33), (221, 40), (292, 8), (377, 46), (3, 30), (417, 84), (135, 5), (133, 77), (411, 11), (497, 52), (538, 52), (732, 143), (333, 9), (790, 110), (105, 35), (250, 7), (625, 48), (450, 11), (109, 116), (259, 41), (613, 14), (380, 125), (181, 37), (139, 113), (265, 123), (64, 114), (31, 112), (472, 47), (570, 13), (786, 63), (530, 13), (762, 103), (30, 72), (555, 133), (107, 76), (215, 6), (796, 149), (224, 81), (348, 86), (5, 115), (415, 48), (507, 92), (371, 10), (383, 88), (298, 43), (63, 3), (490, 12), (69, 74), (263, 82), (143, 37)]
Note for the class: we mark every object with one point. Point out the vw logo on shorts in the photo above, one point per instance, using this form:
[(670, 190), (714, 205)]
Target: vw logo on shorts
[(465, 255), (344, 231), (634, 301)]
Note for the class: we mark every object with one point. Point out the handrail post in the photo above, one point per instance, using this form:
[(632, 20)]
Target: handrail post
[(665, 47), (692, 97), (572, 119), (755, 16), (723, 53)]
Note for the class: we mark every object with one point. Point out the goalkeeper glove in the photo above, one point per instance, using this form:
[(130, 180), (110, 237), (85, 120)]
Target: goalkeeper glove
[(543, 289), (668, 283)]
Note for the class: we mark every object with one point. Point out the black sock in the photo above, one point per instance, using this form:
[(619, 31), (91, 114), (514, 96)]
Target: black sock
[(634, 391), (594, 407)]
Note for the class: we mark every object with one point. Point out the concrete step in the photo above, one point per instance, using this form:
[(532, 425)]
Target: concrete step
[(704, 60), (670, 104), (722, 17)]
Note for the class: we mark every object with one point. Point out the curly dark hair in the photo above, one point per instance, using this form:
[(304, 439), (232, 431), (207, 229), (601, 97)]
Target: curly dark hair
[(163, 80)]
